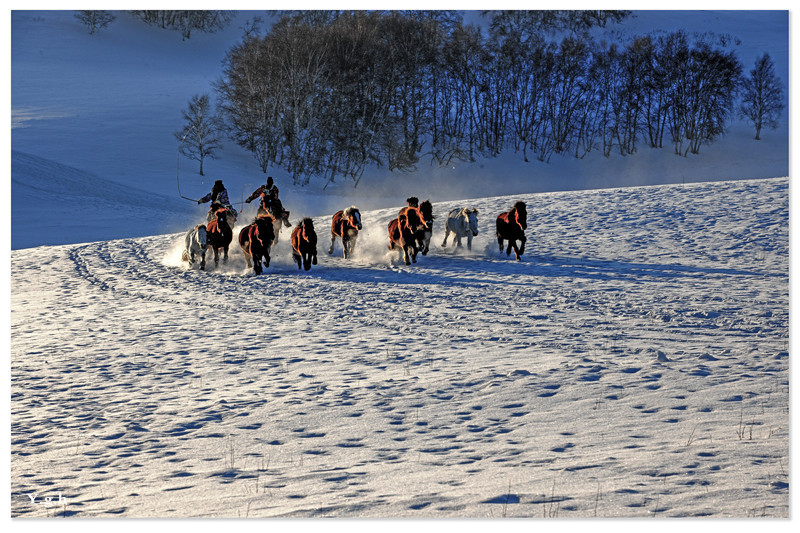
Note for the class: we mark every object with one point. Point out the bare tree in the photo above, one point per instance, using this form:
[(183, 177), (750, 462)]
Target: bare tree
[(95, 20), (200, 135), (762, 98)]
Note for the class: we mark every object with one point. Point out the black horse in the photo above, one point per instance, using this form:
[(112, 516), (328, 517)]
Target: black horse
[(511, 227), (256, 242)]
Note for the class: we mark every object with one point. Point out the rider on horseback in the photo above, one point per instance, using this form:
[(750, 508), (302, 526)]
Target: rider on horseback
[(270, 203), (219, 198)]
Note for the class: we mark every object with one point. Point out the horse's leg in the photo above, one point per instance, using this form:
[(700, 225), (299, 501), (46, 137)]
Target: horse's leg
[(500, 240), (522, 247), (246, 256), (216, 256), (469, 241), (446, 234), (307, 260), (511, 244), (405, 254), (203, 259), (225, 256), (333, 238), (351, 245), (297, 259), (257, 264), (458, 240)]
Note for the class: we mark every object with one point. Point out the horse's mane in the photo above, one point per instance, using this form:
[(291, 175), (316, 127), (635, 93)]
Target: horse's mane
[(347, 212), (417, 213), (520, 205), (307, 222), (426, 209)]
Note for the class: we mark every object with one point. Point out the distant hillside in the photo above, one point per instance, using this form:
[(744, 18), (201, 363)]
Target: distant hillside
[(53, 203)]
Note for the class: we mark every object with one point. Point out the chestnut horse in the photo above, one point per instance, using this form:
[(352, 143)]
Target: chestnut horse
[(219, 235), (256, 241), (304, 244), (424, 235), (511, 226), (345, 225), (403, 232), (273, 206)]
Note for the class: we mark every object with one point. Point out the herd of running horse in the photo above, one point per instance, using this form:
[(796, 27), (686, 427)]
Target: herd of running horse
[(409, 233)]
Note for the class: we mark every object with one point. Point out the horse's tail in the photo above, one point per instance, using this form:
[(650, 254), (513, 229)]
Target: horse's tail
[(243, 235)]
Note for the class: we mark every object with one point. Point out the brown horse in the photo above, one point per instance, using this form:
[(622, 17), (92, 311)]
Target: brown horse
[(403, 232), (219, 235), (230, 214), (346, 225), (304, 244), (511, 226), (271, 205), (256, 242)]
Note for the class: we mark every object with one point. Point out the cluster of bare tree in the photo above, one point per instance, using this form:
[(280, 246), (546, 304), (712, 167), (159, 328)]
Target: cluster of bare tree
[(327, 93), (185, 21)]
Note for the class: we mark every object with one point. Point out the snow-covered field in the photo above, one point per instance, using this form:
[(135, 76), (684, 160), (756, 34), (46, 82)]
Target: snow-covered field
[(633, 364)]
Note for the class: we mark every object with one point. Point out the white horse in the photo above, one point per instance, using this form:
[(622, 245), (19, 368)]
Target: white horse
[(461, 223), (196, 242)]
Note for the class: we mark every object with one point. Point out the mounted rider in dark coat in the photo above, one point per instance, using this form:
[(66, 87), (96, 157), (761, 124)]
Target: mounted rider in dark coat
[(270, 203), (219, 198)]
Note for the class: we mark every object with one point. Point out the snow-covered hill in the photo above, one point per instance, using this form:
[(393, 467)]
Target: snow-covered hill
[(107, 105), (56, 204), (633, 364)]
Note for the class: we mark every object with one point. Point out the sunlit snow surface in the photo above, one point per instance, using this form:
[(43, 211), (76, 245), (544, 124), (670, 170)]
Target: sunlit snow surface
[(634, 363)]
